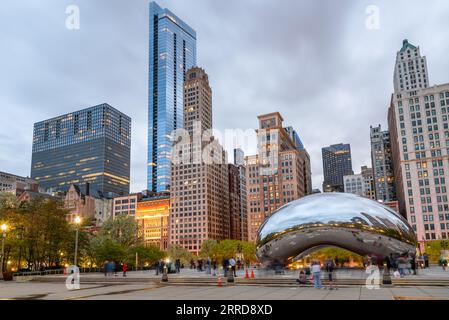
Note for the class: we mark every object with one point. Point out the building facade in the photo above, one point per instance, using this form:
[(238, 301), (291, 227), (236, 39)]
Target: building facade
[(277, 175), (360, 184), (199, 197), (16, 185), (382, 162), (126, 205), (87, 146), (172, 51), (419, 131), (337, 163), (237, 203), (152, 216), (91, 208)]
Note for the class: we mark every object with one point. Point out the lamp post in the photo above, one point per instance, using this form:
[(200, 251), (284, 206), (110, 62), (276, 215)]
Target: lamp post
[(3, 228), (77, 223)]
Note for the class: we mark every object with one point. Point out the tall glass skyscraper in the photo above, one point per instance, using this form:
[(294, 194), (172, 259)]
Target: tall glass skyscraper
[(172, 51), (87, 146), (337, 163)]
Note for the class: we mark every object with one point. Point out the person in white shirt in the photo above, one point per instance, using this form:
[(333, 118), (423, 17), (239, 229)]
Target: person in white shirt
[(232, 263), (316, 271)]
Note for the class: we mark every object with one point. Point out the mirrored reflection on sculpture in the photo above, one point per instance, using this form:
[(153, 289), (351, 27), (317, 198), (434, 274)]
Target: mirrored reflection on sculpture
[(360, 225)]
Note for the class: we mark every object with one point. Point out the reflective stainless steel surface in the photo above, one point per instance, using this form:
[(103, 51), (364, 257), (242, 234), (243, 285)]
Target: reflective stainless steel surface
[(343, 220)]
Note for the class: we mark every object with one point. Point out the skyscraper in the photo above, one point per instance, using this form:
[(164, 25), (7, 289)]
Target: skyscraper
[(278, 174), (172, 51), (419, 133), (239, 157), (337, 163), (382, 163), (87, 146), (199, 197)]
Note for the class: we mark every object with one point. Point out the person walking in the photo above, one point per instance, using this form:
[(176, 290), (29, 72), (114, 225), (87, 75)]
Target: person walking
[(157, 266), (413, 263), (105, 269), (124, 267), (330, 266), (178, 265), (426, 260), (316, 272), (232, 263)]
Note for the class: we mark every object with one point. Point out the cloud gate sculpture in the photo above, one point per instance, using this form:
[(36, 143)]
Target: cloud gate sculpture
[(360, 225)]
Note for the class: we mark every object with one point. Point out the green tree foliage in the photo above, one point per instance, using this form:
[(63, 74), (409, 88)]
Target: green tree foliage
[(37, 232), (226, 249), (104, 248), (123, 229), (177, 252), (145, 255)]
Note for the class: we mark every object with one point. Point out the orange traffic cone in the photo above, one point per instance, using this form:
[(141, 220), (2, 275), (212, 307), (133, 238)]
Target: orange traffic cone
[(219, 282), (246, 275), (252, 274)]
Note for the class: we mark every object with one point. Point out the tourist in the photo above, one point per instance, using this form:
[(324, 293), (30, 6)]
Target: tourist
[(426, 260), (232, 264), (157, 266), (302, 279), (413, 263), (124, 267), (316, 272), (178, 265), (330, 266)]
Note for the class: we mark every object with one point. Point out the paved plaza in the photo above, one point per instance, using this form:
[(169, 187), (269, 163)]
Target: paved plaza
[(152, 291), (145, 285)]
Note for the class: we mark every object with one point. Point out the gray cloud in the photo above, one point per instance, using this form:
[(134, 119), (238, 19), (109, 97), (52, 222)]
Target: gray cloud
[(314, 61)]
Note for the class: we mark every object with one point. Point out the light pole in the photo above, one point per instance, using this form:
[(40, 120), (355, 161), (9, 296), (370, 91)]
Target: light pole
[(77, 223), (3, 228)]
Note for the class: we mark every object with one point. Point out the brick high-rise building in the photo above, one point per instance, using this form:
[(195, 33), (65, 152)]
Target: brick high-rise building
[(199, 198), (419, 132), (277, 175), (237, 203)]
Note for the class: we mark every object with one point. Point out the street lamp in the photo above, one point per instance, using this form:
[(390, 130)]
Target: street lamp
[(3, 228), (77, 223)]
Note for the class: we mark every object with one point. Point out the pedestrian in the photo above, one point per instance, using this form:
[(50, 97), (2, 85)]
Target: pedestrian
[(157, 266), (413, 263), (178, 265), (302, 279), (105, 269), (426, 260), (316, 272), (232, 263), (330, 266), (387, 262), (124, 267)]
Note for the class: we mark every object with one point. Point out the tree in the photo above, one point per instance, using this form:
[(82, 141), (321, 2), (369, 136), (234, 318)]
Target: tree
[(175, 252), (145, 255), (208, 249), (123, 229), (105, 248)]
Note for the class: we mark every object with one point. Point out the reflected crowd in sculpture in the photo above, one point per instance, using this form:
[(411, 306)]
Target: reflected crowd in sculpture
[(347, 221)]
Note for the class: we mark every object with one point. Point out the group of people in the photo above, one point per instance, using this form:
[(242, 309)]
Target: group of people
[(314, 274), (112, 268), (211, 266), (401, 265), (171, 267)]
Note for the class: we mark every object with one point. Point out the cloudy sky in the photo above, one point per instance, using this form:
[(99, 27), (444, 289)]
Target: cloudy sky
[(316, 62)]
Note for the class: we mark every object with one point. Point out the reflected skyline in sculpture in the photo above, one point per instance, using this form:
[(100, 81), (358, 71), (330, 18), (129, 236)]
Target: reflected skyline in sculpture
[(360, 225)]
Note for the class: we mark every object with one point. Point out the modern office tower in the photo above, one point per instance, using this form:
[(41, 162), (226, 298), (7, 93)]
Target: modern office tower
[(419, 132), (360, 184), (277, 175), (87, 146), (337, 163), (295, 137), (172, 51), (239, 157), (382, 163), (152, 216), (237, 203), (410, 71), (199, 197), (16, 184)]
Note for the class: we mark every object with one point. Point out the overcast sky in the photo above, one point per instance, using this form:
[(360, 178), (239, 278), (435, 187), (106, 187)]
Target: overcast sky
[(315, 62)]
